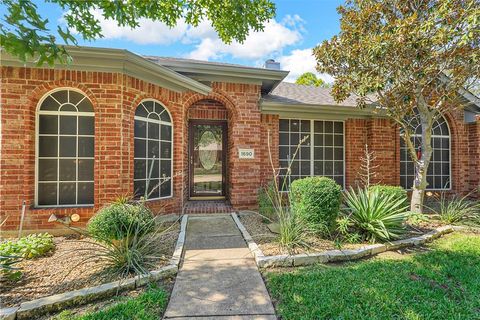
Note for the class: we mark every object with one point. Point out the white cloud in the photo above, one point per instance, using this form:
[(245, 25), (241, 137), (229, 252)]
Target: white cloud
[(207, 45), (300, 61), (261, 44), (148, 31)]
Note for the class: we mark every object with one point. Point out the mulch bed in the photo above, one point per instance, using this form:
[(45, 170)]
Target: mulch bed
[(63, 270), (266, 240)]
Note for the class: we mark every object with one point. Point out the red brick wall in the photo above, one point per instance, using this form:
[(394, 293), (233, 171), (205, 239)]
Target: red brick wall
[(356, 136), (383, 138), (474, 156), (115, 96), (269, 135)]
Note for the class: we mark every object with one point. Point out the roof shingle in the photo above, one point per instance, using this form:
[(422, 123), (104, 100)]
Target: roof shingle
[(291, 93)]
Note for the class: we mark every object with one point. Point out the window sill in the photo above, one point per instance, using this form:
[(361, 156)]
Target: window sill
[(61, 207)]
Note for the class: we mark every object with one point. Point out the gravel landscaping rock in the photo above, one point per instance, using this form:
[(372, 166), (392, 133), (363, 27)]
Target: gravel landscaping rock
[(265, 239), (65, 270)]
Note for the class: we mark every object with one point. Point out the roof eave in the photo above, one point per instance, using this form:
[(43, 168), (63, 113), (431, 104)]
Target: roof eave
[(267, 77), (121, 61), (319, 110)]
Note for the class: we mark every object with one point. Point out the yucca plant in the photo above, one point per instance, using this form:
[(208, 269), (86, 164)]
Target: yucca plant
[(376, 216), (293, 229), (135, 254), (458, 209)]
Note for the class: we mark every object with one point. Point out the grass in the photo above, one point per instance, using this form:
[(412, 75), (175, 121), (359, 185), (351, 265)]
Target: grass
[(442, 283), (149, 305)]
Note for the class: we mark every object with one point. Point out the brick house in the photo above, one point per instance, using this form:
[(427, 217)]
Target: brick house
[(191, 135)]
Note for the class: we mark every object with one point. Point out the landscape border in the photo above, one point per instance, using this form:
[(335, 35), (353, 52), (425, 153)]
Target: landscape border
[(81, 296), (305, 259)]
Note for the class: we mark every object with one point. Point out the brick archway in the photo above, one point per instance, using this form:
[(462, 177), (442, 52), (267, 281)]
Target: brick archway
[(214, 107), (219, 96)]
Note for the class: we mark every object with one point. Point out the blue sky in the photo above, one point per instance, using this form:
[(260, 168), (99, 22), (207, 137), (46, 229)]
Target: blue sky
[(298, 27)]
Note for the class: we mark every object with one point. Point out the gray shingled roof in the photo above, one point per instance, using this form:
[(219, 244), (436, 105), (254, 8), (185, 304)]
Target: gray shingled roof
[(291, 93), (166, 61)]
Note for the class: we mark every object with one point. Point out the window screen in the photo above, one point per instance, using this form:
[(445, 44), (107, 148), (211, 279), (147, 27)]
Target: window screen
[(65, 150), (321, 154), (152, 151), (438, 172)]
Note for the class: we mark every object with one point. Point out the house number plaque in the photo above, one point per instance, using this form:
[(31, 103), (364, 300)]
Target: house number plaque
[(246, 153)]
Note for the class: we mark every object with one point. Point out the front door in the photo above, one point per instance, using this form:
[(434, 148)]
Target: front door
[(207, 158)]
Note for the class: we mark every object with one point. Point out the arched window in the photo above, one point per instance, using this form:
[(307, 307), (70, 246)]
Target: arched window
[(153, 151), (65, 149), (438, 173)]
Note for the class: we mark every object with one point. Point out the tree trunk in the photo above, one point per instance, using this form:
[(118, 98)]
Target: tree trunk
[(421, 166)]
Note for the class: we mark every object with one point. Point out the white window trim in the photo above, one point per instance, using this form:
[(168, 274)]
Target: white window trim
[(160, 122), (312, 146), (449, 157), (39, 112)]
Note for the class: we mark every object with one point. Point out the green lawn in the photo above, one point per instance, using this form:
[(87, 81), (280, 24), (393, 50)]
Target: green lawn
[(443, 283), (149, 305)]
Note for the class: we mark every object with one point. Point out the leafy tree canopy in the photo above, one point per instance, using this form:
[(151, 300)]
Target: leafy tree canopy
[(310, 79), (405, 55), (24, 33)]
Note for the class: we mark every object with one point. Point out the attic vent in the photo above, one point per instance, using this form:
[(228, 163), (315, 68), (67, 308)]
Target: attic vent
[(272, 64)]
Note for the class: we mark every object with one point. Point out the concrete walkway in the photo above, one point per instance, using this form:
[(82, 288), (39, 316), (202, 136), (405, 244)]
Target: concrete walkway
[(219, 278)]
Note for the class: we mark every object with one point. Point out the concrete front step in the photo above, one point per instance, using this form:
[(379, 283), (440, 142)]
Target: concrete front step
[(208, 206)]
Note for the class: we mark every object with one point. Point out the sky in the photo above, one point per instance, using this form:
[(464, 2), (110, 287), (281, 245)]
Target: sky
[(299, 25)]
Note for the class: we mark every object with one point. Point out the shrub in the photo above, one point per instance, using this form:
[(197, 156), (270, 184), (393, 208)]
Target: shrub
[(317, 201), (119, 220), (377, 216), (397, 192), (29, 247)]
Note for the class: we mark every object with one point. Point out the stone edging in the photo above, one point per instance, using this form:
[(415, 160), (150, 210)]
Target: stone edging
[(56, 302), (333, 255)]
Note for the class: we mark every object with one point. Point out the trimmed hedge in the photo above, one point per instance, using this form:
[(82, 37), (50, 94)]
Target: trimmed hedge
[(120, 220), (317, 200), (398, 192)]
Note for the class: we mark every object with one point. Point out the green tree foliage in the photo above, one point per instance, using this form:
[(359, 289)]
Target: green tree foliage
[(310, 79), (24, 32), (405, 56)]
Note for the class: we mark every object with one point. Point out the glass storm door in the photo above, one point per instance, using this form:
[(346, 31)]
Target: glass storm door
[(207, 158)]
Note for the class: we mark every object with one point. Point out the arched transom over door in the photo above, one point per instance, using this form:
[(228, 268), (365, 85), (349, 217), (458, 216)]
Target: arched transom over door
[(65, 150)]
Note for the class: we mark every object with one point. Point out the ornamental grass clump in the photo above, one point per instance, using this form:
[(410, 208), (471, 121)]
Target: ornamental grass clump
[(458, 209), (374, 215), (293, 230), (125, 238)]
